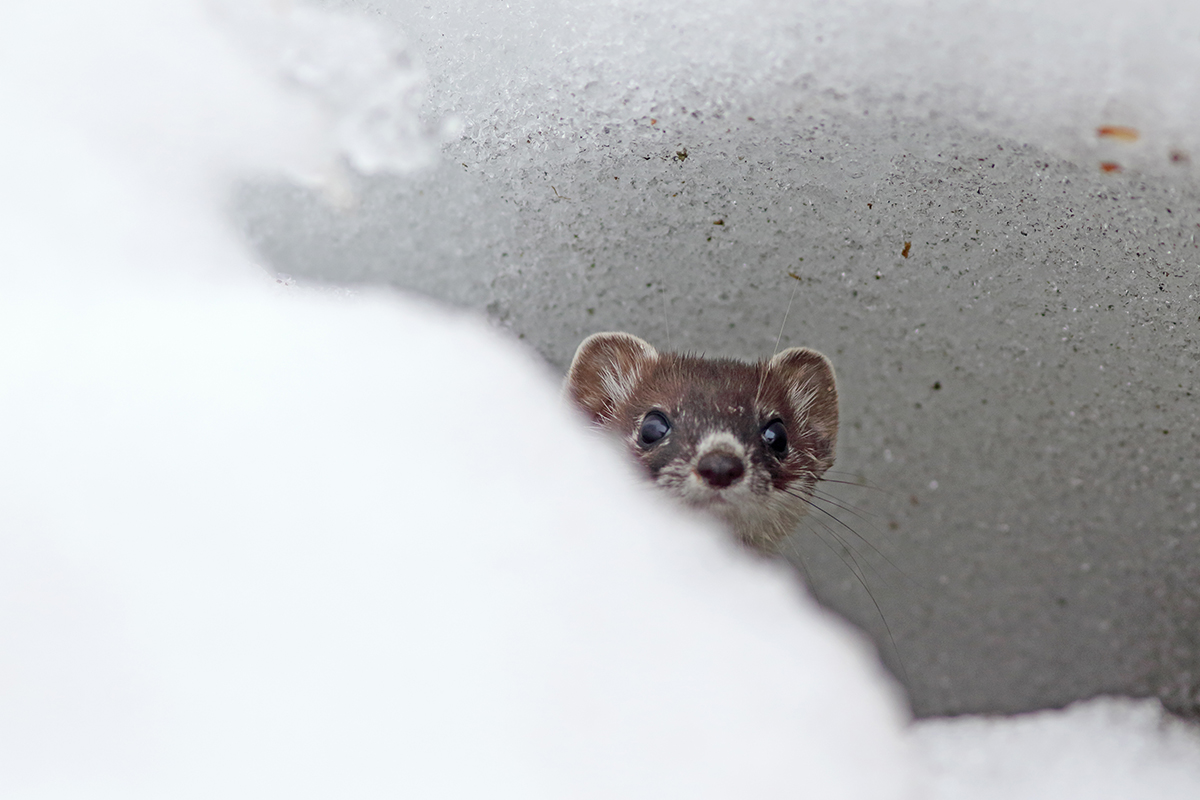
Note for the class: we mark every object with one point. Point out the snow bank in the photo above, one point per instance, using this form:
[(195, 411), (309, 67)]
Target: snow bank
[(262, 542), (1015, 328), (1106, 748), (300, 547), (258, 541)]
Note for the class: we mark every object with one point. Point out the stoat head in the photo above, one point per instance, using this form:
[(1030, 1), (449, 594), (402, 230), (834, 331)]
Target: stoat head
[(744, 442)]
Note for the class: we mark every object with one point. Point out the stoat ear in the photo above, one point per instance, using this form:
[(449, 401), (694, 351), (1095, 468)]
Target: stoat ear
[(807, 377), (606, 369)]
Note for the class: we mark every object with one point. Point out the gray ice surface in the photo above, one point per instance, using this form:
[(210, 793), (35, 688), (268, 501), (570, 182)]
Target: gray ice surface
[(1014, 329)]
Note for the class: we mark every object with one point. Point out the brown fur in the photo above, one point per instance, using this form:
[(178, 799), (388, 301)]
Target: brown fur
[(718, 405)]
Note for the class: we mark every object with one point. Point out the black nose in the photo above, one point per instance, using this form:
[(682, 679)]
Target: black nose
[(720, 469)]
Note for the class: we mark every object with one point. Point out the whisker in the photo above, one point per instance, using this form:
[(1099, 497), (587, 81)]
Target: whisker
[(858, 485), (843, 505), (856, 571), (859, 480), (851, 550), (857, 475), (811, 504), (810, 500), (762, 378), (794, 550), (666, 314), (863, 516), (847, 544)]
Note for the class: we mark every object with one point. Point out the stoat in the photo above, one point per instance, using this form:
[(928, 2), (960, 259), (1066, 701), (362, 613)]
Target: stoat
[(746, 443)]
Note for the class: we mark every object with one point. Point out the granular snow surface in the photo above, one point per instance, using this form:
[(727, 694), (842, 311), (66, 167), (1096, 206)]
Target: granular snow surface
[(258, 540)]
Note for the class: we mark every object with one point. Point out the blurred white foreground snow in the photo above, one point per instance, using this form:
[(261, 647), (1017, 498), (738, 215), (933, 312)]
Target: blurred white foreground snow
[(1106, 748), (266, 543)]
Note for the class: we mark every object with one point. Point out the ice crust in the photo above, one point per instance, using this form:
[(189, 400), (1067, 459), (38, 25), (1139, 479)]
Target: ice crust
[(1032, 354), (240, 553)]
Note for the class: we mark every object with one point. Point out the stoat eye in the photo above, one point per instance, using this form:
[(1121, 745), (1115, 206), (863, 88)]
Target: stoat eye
[(654, 428), (775, 437)]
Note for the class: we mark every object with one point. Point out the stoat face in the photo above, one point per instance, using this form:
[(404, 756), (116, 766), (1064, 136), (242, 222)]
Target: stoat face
[(744, 442)]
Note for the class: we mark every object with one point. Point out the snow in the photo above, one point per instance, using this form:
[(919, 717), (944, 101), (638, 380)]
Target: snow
[(1105, 748), (279, 582), (263, 541), (1009, 322)]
